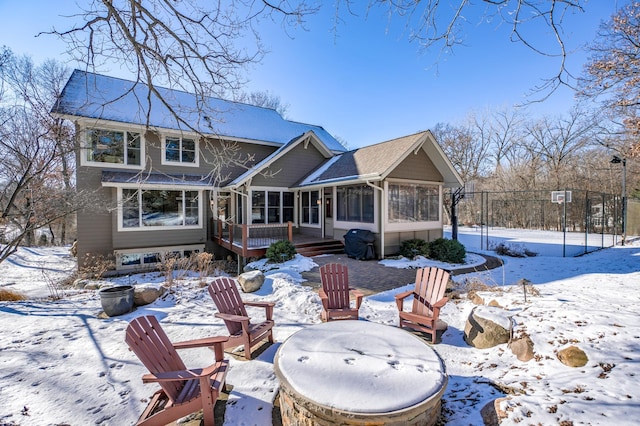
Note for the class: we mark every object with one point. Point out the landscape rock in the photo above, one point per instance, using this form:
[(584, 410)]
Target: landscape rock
[(144, 294), (492, 414), (573, 356), (80, 283), (522, 348), (251, 281), (475, 298), (487, 327)]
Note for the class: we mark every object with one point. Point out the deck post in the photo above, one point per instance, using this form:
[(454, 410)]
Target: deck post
[(290, 231), (245, 240)]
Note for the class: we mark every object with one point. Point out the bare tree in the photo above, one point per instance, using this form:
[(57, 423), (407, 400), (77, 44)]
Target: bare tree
[(263, 99), (613, 71), (35, 149)]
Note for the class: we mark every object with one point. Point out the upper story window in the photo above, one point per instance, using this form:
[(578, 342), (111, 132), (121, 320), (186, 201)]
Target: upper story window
[(178, 150), (114, 147)]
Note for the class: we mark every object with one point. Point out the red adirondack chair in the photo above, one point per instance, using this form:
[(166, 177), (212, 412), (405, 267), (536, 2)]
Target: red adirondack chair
[(335, 293), (231, 308), (428, 299), (182, 391)]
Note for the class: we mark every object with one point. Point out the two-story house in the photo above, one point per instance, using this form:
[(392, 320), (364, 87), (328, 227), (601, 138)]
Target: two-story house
[(182, 177)]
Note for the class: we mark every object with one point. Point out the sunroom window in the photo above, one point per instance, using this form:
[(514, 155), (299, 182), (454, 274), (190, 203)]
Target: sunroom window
[(180, 150), (355, 204), (413, 203), (109, 146), (160, 208)]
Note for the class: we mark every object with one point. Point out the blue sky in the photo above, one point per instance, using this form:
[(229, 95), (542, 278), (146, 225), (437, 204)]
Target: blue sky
[(367, 83)]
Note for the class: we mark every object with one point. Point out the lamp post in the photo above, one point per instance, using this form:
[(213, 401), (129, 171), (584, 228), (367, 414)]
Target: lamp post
[(618, 160)]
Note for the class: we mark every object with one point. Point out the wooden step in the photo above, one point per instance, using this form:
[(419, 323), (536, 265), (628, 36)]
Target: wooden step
[(320, 247)]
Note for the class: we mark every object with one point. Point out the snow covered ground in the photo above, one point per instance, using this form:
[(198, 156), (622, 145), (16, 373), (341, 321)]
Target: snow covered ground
[(62, 364)]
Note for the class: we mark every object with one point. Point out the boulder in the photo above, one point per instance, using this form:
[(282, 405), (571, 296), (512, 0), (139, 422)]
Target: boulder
[(522, 348), (573, 356), (143, 294), (492, 414), (251, 281), (487, 327)]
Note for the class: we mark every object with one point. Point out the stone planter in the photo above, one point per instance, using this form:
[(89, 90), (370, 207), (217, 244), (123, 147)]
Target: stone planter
[(117, 300)]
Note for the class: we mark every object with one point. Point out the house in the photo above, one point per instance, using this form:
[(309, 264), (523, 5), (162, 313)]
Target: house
[(229, 177)]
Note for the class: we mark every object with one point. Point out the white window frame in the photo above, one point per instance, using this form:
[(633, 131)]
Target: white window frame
[(141, 228), (166, 162), (86, 147), (412, 226), (161, 251), (370, 226), (319, 207), (266, 190)]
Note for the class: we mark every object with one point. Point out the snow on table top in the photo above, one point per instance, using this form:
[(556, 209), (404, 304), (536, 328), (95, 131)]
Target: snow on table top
[(360, 366)]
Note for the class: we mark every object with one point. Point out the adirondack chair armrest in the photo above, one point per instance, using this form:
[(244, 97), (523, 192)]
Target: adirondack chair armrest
[(323, 298), (268, 306), (400, 298), (438, 305), (232, 318), (172, 376), (201, 343), (358, 295)]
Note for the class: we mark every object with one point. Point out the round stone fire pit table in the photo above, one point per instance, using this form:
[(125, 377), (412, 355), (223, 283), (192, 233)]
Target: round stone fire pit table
[(358, 373)]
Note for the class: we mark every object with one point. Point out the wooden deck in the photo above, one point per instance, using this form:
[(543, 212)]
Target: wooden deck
[(254, 240)]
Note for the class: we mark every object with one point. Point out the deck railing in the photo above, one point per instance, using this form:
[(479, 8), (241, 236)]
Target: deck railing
[(250, 240)]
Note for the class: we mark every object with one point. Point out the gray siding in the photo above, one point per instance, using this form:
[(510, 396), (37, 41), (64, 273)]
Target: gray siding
[(393, 240), (291, 167), (417, 167)]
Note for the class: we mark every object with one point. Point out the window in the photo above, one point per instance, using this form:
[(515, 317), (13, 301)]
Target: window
[(310, 209), (160, 208), (108, 146), (355, 204), (413, 203), (271, 206), (180, 150), (133, 259)]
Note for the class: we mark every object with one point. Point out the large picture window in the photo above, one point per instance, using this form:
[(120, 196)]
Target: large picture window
[(180, 150), (112, 146), (414, 203), (355, 204), (160, 208)]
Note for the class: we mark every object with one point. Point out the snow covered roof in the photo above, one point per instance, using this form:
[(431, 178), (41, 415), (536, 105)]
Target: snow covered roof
[(102, 97)]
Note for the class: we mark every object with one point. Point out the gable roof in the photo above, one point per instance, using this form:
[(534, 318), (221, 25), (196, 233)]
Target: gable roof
[(309, 137), (101, 97), (375, 162)]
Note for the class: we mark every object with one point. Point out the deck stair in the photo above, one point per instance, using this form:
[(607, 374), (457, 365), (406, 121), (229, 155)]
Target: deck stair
[(319, 247)]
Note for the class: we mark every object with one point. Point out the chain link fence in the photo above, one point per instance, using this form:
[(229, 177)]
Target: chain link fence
[(587, 220)]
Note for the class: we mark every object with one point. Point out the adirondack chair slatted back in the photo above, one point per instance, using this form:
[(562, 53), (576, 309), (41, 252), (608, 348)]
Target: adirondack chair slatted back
[(335, 282), (225, 295), (431, 284), (151, 345)]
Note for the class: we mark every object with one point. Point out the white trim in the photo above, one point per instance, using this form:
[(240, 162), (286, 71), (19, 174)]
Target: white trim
[(85, 147), (142, 228), (181, 137), (268, 189), (162, 251)]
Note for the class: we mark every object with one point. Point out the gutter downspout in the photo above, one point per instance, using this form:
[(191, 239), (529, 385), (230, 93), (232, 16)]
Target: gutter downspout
[(382, 204)]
